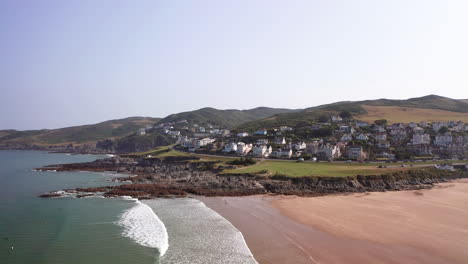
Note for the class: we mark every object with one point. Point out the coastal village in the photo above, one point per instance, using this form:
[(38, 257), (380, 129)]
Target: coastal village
[(335, 139)]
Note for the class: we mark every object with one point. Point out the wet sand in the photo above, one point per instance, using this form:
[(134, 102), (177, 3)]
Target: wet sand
[(427, 226)]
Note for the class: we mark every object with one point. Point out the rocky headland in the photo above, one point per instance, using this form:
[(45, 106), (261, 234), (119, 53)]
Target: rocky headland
[(182, 176)]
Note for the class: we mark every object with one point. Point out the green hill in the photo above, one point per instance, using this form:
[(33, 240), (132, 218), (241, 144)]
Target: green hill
[(224, 118), (445, 108), (77, 134)]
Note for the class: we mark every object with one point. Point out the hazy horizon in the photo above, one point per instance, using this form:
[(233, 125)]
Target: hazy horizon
[(83, 62)]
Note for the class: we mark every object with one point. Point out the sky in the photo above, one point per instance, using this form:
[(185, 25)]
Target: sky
[(74, 62)]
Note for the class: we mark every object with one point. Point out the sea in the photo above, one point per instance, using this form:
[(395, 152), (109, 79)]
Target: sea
[(102, 230)]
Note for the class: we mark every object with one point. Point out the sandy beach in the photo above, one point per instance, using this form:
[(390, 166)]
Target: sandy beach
[(426, 226)]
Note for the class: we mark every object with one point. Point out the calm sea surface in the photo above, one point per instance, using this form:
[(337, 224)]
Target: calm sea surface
[(97, 230), (63, 230)]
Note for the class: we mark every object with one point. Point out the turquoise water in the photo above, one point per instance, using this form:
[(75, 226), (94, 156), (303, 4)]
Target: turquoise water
[(63, 230)]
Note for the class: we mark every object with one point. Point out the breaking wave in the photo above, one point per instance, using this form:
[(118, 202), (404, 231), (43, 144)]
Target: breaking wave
[(143, 226)]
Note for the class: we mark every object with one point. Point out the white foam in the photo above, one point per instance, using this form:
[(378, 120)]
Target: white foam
[(142, 225)]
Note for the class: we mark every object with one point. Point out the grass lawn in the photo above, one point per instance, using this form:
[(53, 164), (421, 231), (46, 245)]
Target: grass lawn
[(295, 169)]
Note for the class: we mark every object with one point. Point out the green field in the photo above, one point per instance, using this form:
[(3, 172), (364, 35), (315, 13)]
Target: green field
[(294, 169), (330, 169), (298, 169)]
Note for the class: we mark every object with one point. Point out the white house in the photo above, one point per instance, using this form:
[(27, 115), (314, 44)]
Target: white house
[(347, 137), (203, 142), (261, 151), (142, 131), (336, 119), (243, 134), (443, 140), (330, 151), (459, 126), (299, 146), (231, 147), (280, 141), (346, 129), (418, 130), (420, 139), (282, 153), (383, 144), (262, 141), (355, 153), (361, 124), (379, 129), (412, 125), (285, 128), (381, 136), (186, 142), (174, 133), (243, 148), (423, 124), (261, 132), (362, 136)]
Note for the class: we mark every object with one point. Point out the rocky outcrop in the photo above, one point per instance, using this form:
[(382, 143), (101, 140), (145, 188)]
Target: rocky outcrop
[(179, 176)]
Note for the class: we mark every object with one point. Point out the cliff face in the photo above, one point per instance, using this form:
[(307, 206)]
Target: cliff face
[(182, 176)]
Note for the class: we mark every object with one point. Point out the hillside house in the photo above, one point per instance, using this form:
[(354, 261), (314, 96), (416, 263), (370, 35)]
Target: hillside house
[(412, 125), (262, 142), (282, 153), (459, 126), (363, 137), (299, 146), (280, 141), (381, 136), (141, 131), (360, 124), (443, 140), (329, 152), (382, 144), (261, 151), (242, 134), (203, 142), (423, 124), (347, 137), (421, 139), (243, 149), (336, 119), (398, 126), (285, 129), (230, 147), (346, 129), (379, 129), (261, 132), (355, 152)]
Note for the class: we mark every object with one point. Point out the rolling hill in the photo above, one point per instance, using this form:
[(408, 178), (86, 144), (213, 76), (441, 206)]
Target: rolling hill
[(77, 134), (224, 118), (429, 108)]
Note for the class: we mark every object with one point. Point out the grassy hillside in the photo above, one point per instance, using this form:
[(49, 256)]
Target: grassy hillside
[(396, 114), (413, 109), (225, 118), (78, 134)]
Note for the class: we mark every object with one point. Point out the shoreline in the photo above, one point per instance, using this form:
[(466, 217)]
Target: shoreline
[(411, 227)]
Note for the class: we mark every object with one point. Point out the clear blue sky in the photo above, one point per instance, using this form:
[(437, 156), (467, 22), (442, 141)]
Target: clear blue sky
[(66, 63)]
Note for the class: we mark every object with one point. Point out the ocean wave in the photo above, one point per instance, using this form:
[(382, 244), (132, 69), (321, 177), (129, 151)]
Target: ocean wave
[(143, 226)]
